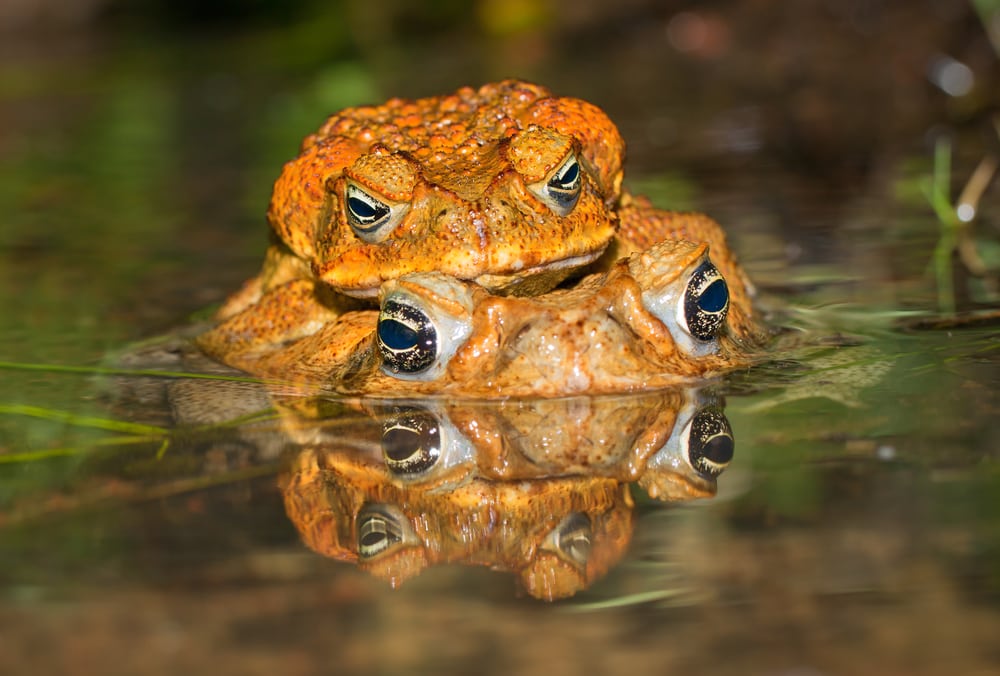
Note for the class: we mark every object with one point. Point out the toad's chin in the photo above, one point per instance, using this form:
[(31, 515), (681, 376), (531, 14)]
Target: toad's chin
[(524, 282)]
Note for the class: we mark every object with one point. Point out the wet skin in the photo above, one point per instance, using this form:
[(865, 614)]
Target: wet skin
[(506, 186), (656, 318)]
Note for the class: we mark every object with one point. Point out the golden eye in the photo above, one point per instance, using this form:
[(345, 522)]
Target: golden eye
[(692, 301), (560, 190), (365, 210), (424, 319), (411, 442), (370, 218), (571, 539), (574, 538), (379, 529), (564, 186)]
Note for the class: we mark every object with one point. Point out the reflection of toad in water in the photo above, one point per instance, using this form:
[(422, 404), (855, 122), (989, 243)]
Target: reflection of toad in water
[(539, 488)]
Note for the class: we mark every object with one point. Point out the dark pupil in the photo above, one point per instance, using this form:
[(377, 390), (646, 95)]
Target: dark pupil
[(372, 538), (365, 211), (411, 442), (719, 450), (710, 444), (406, 338), (399, 443), (396, 335), (715, 297), (565, 180)]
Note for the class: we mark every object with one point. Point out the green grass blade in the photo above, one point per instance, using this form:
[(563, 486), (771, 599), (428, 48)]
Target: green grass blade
[(111, 371), (80, 420)]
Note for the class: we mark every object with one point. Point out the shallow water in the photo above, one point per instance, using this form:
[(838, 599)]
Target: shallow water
[(154, 525)]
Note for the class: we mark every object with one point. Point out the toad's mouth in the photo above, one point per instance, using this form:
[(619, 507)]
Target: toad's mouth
[(522, 282)]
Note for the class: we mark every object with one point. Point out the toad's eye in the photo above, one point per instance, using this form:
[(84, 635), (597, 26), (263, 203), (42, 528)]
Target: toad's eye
[(571, 539), (560, 190), (566, 180), (370, 218), (411, 442), (692, 302), (420, 445), (407, 338), (699, 449), (379, 529), (365, 210), (423, 320), (710, 442), (706, 302)]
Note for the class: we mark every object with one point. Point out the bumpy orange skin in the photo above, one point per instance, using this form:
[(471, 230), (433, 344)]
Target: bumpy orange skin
[(463, 166), (462, 162), (598, 336)]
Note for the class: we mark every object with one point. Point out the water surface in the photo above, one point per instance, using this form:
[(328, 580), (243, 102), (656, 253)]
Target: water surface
[(855, 530)]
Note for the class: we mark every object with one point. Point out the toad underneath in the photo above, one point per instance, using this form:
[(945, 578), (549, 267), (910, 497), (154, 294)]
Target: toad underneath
[(656, 318)]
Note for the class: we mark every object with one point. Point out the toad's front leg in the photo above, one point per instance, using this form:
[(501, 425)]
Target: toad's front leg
[(277, 318)]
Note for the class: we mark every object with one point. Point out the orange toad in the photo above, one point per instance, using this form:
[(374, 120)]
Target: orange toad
[(656, 318), (506, 186)]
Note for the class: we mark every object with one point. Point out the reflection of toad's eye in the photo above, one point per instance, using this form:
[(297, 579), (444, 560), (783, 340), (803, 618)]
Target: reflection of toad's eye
[(710, 442), (411, 442), (706, 302), (406, 338), (572, 538), (370, 218), (561, 189), (378, 530)]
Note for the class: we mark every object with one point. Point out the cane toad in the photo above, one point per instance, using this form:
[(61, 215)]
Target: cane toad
[(507, 186), (656, 318), (557, 534)]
